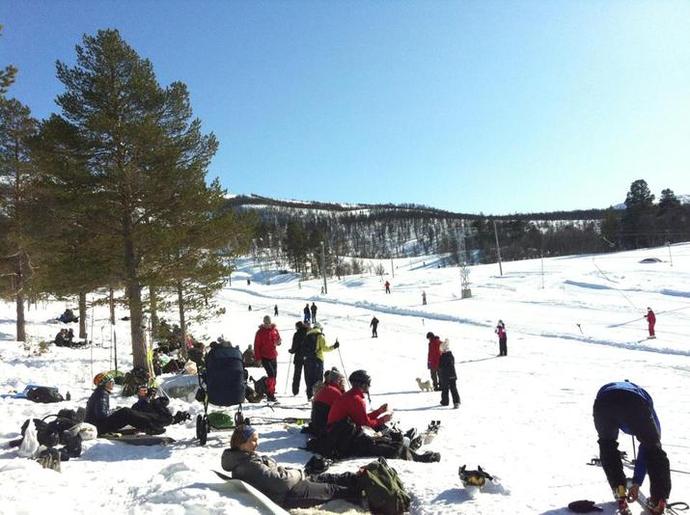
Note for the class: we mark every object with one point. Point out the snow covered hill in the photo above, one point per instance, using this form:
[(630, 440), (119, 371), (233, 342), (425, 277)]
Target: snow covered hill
[(572, 325)]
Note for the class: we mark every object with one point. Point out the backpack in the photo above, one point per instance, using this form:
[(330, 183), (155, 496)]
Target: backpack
[(44, 394), (309, 345), (383, 489)]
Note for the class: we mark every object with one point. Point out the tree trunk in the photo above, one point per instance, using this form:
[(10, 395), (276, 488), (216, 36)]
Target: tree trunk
[(183, 324), (82, 315), (111, 302), (153, 303), (136, 319), (19, 288)]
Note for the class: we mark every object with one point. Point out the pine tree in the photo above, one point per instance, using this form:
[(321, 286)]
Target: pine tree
[(141, 152), (7, 76), (638, 222), (17, 176)]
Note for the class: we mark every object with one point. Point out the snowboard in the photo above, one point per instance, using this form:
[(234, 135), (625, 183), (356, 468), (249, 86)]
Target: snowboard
[(249, 496)]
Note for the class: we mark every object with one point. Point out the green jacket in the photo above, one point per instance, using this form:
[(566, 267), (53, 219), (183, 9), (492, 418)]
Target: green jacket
[(321, 345)]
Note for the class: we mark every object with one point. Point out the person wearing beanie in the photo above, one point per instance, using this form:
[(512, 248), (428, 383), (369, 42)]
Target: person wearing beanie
[(288, 487), (333, 389), (265, 342), (447, 376), (98, 411), (502, 338), (432, 357), (314, 348)]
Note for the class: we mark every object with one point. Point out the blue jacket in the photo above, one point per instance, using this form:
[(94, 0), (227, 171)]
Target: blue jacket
[(642, 452), (98, 406)]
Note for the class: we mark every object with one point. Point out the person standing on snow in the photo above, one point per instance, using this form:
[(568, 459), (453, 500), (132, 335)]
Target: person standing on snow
[(433, 357), (388, 287), (502, 338), (651, 322), (314, 347), (447, 375), (307, 314), (423, 298), (275, 310), (265, 342), (627, 407), (374, 324), (297, 350), (313, 313)]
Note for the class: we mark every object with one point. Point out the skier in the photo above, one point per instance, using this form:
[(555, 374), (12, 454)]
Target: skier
[(307, 314), (249, 281), (313, 313), (374, 324), (651, 321), (432, 358), (265, 342), (423, 298), (388, 287), (275, 310), (628, 407), (447, 375), (314, 347), (502, 338), (297, 350)]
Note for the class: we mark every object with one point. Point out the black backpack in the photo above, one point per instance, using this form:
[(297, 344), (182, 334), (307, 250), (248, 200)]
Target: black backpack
[(383, 489), (309, 345), (44, 394)]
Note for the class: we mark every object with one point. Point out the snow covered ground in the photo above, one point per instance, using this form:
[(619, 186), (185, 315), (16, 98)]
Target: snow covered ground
[(525, 418)]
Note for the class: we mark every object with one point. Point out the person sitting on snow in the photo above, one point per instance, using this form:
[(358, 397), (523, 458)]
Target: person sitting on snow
[(68, 317), (288, 487), (348, 415), (333, 389), (98, 411)]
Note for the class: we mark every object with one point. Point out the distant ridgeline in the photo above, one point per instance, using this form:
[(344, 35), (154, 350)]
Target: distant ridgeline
[(291, 231)]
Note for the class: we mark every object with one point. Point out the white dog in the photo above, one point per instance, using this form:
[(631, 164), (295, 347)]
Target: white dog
[(424, 386)]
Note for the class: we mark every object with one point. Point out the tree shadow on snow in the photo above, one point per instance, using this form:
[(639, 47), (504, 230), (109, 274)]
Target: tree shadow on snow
[(111, 450)]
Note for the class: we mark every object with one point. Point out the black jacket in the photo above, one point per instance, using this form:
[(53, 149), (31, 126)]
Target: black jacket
[(98, 406), (297, 348), (446, 367)]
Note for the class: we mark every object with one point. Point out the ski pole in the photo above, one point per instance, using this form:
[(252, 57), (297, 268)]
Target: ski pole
[(342, 364), (634, 452), (580, 328), (287, 376)]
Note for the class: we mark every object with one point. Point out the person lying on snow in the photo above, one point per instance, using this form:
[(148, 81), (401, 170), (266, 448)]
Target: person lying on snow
[(98, 411), (288, 487), (68, 317), (345, 436)]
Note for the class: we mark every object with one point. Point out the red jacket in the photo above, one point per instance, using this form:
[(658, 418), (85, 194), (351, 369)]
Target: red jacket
[(351, 404), (651, 317), (265, 342), (328, 394), (434, 355)]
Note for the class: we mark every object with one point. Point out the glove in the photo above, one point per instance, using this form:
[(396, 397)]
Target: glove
[(291, 351), (633, 492), (336, 344)]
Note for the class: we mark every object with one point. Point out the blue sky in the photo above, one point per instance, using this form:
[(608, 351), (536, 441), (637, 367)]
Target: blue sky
[(481, 106)]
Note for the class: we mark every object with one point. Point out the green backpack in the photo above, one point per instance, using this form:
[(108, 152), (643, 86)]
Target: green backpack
[(383, 489)]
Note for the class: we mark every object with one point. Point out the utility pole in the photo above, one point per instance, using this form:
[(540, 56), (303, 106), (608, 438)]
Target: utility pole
[(542, 269), (392, 269), (323, 267), (498, 249), (668, 243)]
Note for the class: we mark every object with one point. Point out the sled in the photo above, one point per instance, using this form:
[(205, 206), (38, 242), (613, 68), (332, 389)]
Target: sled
[(249, 496)]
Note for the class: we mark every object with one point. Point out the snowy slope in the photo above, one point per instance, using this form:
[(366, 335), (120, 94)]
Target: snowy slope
[(526, 417)]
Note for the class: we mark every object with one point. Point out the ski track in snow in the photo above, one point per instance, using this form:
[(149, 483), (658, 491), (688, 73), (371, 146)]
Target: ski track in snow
[(525, 418)]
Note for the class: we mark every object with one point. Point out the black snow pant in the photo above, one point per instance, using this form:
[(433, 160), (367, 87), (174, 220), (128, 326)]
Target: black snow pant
[(434, 377), (374, 333), (297, 376), (313, 373), (449, 384), (322, 488), (503, 346), (126, 416), (618, 409)]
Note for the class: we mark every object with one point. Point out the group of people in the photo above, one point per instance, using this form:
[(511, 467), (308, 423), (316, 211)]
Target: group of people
[(441, 364), (310, 313)]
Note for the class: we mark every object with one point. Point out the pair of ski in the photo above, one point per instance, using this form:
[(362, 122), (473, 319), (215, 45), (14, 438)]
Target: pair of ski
[(425, 437)]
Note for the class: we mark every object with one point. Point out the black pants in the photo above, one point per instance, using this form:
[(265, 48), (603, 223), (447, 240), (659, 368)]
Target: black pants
[(313, 373), (123, 417), (449, 384), (321, 489), (503, 346), (621, 408), (434, 377), (297, 376), (374, 334)]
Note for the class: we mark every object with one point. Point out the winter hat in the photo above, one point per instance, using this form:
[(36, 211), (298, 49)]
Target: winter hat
[(429, 334), (317, 325), (333, 376), (445, 345), (267, 320), (102, 379), (240, 435)]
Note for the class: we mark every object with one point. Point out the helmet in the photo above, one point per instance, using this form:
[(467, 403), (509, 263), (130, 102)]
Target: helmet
[(102, 378), (360, 378), (429, 334)]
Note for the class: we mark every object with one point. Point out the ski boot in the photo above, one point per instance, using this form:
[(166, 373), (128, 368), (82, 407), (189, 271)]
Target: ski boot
[(621, 498), (657, 507)]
